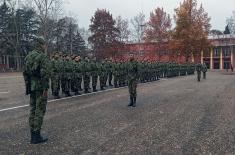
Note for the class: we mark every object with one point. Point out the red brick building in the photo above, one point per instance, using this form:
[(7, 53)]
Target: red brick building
[(221, 55)]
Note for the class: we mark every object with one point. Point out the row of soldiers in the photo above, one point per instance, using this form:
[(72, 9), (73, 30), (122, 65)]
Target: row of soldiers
[(68, 72)]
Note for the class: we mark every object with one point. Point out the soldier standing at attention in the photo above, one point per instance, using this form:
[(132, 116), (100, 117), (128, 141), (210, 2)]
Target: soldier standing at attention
[(204, 70), (56, 65), (102, 74), (94, 73), (86, 67), (67, 75), (132, 74), (199, 69), (36, 75), (77, 79), (110, 72)]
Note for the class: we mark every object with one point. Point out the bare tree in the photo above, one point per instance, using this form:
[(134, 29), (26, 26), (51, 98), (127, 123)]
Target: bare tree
[(231, 23), (123, 26), (138, 23), (48, 12)]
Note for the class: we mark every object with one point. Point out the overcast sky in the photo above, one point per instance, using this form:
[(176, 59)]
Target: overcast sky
[(83, 10)]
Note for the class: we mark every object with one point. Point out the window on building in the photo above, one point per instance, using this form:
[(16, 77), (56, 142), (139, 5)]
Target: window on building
[(141, 53), (227, 51), (216, 52), (131, 53)]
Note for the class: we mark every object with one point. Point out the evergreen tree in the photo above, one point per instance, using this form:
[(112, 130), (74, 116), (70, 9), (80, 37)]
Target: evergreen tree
[(79, 45), (227, 31), (104, 32), (5, 17)]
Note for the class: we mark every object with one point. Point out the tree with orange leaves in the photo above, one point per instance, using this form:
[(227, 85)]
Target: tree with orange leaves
[(158, 28), (192, 29)]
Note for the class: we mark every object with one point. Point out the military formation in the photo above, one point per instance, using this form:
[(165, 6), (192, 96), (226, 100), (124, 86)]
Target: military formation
[(71, 74)]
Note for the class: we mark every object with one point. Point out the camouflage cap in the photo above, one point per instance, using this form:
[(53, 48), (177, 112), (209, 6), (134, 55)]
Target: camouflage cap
[(40, 40)]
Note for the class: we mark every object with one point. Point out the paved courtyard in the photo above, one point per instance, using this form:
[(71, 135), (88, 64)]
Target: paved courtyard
[(173, 116)]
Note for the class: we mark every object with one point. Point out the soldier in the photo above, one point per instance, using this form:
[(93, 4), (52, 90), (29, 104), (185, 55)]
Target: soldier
[(110, 72), (116, 73), (56, 66), (199, 69), (77, 80), (94, 74), (204, 70), (132, 73), (73, 65), (86, 67), (67, 75), (36, 75), (102, 74)]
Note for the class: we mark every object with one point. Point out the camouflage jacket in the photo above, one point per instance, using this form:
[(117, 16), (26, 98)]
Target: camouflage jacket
[(132, 70), (37, 72)]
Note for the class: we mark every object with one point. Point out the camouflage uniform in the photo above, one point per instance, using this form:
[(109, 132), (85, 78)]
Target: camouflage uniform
[(110, 72), (86, 67), (67, 76), (132, 72), (204, 70), (199, 69), (77, 73), (56, 65), (115, 71), (94, 74), (36, 74), (102, 74)]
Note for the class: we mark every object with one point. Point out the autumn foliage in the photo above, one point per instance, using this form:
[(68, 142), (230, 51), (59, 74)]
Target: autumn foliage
[(192, 29), (158, 27)]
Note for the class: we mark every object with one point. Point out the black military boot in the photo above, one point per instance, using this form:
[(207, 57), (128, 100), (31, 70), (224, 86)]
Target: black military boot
[(56, 96), (37, 138), (94, 89), (32, 136), (87, 91), (77, 93), (131, 102), (134, 102), (67, 94)]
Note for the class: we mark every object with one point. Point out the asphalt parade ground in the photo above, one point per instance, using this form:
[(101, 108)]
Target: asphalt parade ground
[(173, 116)]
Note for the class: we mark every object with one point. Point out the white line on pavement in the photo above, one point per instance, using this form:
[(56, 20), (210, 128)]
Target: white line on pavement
[(7, 109), (50, 101), (7, 77), (5, 92)]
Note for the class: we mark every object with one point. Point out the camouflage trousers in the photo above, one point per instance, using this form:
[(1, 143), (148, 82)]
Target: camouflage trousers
[(132, 85), (94, 80), (103, 80), (37, 110), (55, 85), (115, 80), (76, 83), (110, 78), (198, 76), (86, 79), (66, 85), (204, 75)]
